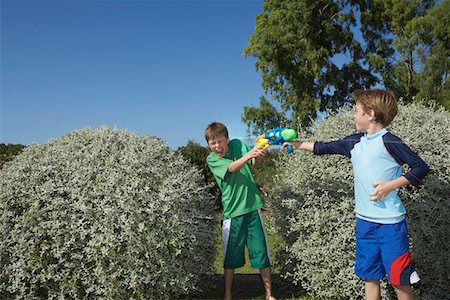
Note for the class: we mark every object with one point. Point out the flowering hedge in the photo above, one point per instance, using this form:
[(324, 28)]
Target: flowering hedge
[(103, 213), (316, 208)]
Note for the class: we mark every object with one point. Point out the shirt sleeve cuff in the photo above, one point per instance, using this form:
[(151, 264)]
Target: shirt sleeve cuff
[(316, 148), (412, 179)]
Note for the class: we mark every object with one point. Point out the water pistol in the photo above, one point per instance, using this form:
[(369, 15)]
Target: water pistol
[(277, 136)]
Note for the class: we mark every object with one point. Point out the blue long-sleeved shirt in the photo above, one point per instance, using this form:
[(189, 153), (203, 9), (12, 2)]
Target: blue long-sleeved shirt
[(377, 158)]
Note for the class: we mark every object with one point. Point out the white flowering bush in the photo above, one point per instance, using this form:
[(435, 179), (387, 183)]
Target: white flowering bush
[(103, 214), (315, 207)]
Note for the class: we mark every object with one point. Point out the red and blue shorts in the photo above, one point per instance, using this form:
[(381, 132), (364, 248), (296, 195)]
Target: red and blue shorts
[(383, 250)]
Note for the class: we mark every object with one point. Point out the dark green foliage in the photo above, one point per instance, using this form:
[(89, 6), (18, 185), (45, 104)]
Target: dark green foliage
[(408, 45), (8, 152), (197, 154), (294, 43), (433, 82), (313, 54)]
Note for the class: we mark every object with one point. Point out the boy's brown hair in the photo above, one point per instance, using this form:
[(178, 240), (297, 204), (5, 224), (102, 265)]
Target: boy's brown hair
[(215, 130), (382, 102)]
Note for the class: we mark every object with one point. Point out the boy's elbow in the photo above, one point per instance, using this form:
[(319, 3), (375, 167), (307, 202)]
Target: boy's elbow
[(232, 169), (416, 175), (424, 170)]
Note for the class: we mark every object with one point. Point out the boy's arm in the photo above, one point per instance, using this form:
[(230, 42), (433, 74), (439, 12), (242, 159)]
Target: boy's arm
[(402, 154), (342, 146), (382, 189), (257, 160), (308, 146), (252, 155)]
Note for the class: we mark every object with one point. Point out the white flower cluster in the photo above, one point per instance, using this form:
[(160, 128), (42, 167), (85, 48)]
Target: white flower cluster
[(103, 214), (316, 207)]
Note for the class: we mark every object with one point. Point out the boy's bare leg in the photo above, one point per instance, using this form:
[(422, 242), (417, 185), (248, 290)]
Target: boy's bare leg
[(228, 276), (267, 281), (404, 292), (372, 290)]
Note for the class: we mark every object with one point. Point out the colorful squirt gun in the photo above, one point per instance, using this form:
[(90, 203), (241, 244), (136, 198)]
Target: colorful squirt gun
[(277, 136)]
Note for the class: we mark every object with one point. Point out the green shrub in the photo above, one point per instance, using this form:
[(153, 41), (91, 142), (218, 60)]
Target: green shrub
[(315, 208), (197, 154), (8, 152), (103, 214)]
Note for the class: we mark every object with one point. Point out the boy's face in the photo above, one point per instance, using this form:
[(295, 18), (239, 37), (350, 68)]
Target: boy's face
[(219, 145), (362, 118)]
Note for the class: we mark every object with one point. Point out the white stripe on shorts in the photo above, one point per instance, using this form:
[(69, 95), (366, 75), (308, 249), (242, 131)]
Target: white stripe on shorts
[(226, 226), (265, 236)]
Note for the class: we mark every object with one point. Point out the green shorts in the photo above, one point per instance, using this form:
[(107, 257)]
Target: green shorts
[(246, 230)]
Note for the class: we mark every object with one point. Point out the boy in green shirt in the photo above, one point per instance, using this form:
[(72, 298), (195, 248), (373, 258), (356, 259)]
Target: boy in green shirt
[(230, 162)]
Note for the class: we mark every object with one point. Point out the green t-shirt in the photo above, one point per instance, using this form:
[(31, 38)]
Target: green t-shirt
[(239, 191)]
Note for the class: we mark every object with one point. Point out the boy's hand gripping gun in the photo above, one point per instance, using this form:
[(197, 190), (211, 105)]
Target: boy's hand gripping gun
[(277, 136)]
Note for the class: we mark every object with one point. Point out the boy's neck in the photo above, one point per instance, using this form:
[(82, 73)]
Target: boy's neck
[(374, 128)]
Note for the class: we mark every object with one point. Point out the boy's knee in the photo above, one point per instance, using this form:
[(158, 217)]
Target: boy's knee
[(372, 283), (404, 292), (402, 287)]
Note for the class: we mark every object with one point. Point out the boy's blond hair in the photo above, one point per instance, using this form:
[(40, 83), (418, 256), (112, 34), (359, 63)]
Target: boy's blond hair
[(382, 102), (215, 130)]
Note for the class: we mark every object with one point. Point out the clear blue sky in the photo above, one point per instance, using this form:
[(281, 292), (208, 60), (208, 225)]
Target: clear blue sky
[(164, 68)]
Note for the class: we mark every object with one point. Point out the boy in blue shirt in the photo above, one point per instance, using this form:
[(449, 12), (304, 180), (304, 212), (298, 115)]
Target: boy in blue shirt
[(382, 244)]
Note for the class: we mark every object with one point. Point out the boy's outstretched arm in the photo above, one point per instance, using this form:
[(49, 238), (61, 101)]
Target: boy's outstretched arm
[(307, 146)]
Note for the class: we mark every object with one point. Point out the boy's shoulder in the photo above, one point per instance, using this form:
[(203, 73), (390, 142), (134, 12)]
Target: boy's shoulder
[(237, 145), (354, 137), (211, 156), (236, 142), (393, 142), (390, 137)]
